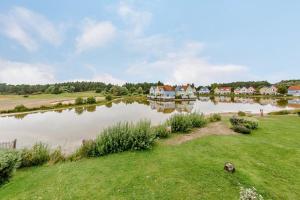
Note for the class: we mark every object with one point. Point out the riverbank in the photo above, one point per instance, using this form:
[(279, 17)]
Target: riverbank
[(60, 104), (191, 170)]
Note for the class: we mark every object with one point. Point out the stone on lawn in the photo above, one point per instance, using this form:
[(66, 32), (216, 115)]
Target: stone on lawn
[(229, 167)]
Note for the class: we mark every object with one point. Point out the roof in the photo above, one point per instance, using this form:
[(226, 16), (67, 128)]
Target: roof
[(295, 87), (224, 88), (166, 88)]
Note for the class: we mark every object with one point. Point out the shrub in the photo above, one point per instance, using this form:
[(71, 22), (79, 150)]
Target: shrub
[(298, 113), (249, 194), (281, 112), (118, 138), (197, 120), (20, 108), (241, 114), (37, 155), (56, 156), (78, 101), (108, 97), (180, 123), (247, 122), (9, 161), (214, 118), (161, 131), (91, 100), (241, 129)]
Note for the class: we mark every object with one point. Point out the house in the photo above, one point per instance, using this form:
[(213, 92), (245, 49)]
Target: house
[(222, 90), (272, 90), (162, 92), (244, 90), (294, 90), (185, 92), (204, 90)]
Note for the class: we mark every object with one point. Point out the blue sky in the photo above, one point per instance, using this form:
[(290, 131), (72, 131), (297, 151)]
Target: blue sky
[(136, 41)]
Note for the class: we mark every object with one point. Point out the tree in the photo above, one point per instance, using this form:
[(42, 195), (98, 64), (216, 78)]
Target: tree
[(78, 101), (140, 90), (282, 89), (91, 100)]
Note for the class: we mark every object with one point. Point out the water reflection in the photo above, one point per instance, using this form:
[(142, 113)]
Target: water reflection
[(69, 127)]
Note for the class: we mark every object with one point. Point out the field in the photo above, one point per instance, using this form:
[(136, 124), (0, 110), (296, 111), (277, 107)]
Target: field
[(268, 160), (10, 101)]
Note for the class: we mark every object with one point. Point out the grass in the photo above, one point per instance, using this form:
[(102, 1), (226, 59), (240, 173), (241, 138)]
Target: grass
[(268, 159)]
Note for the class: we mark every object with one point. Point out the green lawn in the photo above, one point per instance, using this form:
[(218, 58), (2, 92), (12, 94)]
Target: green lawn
[(268, 159)]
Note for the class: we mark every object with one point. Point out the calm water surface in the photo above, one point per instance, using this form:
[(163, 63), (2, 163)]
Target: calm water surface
[(67, 128)]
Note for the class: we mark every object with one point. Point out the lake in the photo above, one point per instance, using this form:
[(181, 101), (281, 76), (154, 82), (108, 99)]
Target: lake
[(67, 128)]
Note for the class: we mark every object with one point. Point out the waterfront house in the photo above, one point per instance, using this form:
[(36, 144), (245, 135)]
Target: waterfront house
[(204, 90), (185, 92), (272, 90), (244, 90), (162, 92), (294, 90), (222, 90)]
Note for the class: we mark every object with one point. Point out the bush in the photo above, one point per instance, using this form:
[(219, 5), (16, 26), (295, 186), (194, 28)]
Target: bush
[(91, 100), (180, 123), (241, 114), (20, 108), (247, 122), (78, 101), (241, 129), (281, 112), (108, 97), (161, 131), (56, 156), (197, 120), (298, 113), (37, 155), (214, 118), (9, 162), (118, 138)]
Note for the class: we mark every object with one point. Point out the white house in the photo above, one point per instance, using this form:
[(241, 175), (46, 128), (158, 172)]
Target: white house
[(162, 92), (204, 90), (244, 90), (272, 90), (294, 90), (222, 90), (185, 92)]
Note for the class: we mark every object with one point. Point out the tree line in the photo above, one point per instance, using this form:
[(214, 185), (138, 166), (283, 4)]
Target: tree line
[(70, 87)]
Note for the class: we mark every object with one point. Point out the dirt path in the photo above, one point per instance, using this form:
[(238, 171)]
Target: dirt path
[(217, 128)]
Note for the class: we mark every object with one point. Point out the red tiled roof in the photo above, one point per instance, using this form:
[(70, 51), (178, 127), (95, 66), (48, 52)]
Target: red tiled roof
[(167, 88), (295, 87)]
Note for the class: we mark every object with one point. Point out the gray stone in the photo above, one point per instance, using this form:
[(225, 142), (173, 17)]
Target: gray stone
[(229, 167)]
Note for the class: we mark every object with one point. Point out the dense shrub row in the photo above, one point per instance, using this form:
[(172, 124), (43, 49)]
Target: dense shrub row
[(243, 125), (214, 118), (9, 161), (185, 122), (118, 138)]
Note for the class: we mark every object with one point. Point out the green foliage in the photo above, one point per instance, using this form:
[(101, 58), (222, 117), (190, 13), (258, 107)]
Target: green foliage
[(241, 129), (198, 120), (298, 113), (118, 138), (118, 91), (161, 131), (79, 101), (180, 123), (214, 117), (20, 108), (140, 90), (9, 162), (281, 112), (108, 97), (243, 125), (282, 89), (37, 155), (91, 100), (241, 114), (56, 156)]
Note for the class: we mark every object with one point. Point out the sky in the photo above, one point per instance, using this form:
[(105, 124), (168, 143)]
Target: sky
[(173, 41)]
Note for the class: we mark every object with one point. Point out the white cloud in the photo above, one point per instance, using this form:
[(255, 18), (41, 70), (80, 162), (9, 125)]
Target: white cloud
[(136, 20), (185, 65), (95, 34), (27, 28), (25, 73), (108, 78)]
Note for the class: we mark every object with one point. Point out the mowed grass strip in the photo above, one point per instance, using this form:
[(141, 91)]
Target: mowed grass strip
[(268, 159)]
